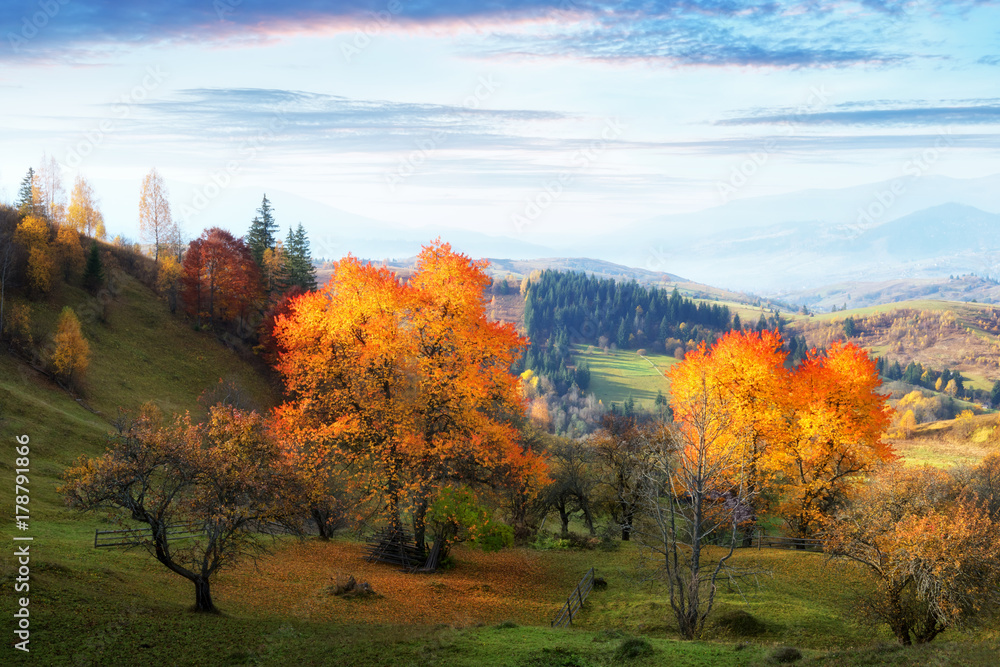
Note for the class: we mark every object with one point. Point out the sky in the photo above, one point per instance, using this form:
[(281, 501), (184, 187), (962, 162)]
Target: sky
[(540, 120)]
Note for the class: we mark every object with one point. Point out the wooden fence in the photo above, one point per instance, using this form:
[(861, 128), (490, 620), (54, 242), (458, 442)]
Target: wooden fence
[(575, 601), (130, 537), (763, 541)]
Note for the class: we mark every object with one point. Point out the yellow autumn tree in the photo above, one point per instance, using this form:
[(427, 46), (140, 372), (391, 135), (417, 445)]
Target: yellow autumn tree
[(83, 214), (168, 280), (33, 235), (907, 424), (68, 251), (71, 356)]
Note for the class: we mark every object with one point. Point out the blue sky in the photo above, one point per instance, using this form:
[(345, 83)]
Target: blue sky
[(465, 114)]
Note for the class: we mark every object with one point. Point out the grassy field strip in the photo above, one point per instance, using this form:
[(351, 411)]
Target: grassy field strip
[(617, 374)]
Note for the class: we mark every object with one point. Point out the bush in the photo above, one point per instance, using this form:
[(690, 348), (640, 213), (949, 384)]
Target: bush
[(784, 654), (507, 625), (577, 541), (609, 540), (545, 541), (739, 623), (632, 648)]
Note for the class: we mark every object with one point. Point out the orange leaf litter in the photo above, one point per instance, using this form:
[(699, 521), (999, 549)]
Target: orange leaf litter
[(481, 588)]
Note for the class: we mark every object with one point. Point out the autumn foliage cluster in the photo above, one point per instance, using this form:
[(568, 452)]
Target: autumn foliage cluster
[(398, 390), (804, 435), (928, 541)]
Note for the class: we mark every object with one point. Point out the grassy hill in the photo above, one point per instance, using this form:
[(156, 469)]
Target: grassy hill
[(938, 334)]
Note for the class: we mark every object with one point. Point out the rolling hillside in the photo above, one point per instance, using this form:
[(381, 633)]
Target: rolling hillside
[(141, 353)]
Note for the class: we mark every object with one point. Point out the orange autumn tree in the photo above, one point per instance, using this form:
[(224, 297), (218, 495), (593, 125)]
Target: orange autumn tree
[(407, 386), (808, 434), (221, 483), (467, 399), (219, 279), (344, 359), (704, 474), (746, 374), (838, 418), (928, 547)]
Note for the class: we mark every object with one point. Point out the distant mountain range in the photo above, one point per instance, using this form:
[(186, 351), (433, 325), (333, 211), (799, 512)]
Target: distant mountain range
[(857, 294), (900, 237), (924, 229)]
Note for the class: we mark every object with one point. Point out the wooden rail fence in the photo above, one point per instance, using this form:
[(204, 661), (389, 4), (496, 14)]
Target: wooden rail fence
[(130, 537), (763, 541), (575, 601)]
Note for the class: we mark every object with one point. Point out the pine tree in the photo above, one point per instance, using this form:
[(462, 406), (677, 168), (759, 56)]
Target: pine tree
[(25, 198), (262, 236), (300, 269), (93, 272)]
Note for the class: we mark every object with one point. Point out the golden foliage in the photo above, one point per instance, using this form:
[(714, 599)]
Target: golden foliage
[(407, 384), (931, 549), (83, 214), (69, 252), (71, 356), (809, 433)]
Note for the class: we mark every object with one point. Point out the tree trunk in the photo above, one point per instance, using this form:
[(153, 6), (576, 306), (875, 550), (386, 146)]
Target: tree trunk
[(588, 518), (420, 522), (563, 516), (203, 597), (627, 515), (321, 522)]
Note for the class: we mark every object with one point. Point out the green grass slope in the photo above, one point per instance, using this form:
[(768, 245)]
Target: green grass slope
[(617, 374)]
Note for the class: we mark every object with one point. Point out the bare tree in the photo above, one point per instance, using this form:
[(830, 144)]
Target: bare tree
[(621, 452), (691, 498), (155, 221), (574, 481)]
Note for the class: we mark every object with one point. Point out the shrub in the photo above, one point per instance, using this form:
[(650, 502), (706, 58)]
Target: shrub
[(785, 654), (609, 540), (545, 541), (634, 647), (507, 625), (739, 623), (577, 541)]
